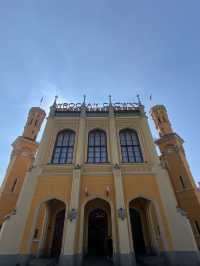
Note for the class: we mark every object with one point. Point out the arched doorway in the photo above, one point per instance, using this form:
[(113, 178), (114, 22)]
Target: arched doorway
[(97, 229), (48, 232), (137, 232), (97, 232), (57, 235), (140, 226)]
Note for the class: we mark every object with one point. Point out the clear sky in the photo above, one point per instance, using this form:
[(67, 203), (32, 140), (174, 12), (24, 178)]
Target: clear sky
[(100, 47)]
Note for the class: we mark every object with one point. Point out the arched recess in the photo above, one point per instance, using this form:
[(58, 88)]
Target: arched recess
[(48, 228), (145, 227), (97, 211)]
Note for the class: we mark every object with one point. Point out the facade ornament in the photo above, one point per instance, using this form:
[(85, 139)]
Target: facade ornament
[(181, 211), (83, 106), (121, 213), (84, 99), (53, 107), (107, 191), (77, 167), (138, 98), (86, 192), (116, 166), (72, 215), (55, 101), (110, 100), (13, 212), (163, 163)]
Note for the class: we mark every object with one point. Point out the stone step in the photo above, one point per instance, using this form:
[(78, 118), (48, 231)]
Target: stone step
[(96, 261), (151, 261), (43, 262)]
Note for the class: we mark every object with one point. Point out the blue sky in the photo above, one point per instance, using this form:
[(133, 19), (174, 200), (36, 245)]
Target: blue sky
[(100, 47)]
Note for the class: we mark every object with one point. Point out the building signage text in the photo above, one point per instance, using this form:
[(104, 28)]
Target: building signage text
[(91, 107)]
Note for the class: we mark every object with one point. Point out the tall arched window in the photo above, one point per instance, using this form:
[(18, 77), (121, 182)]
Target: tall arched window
[(130, 147), (97, 147), (64, 147)]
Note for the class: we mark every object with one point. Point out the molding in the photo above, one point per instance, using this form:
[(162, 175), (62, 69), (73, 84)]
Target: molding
[(137, 167), (169, 137), (53, 169)]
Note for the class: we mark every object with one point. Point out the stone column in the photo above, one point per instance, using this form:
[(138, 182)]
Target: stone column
[(68, 256), (125, 257)]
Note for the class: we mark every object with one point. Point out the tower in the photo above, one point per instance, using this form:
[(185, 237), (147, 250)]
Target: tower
[(21, 159), (174, 158)]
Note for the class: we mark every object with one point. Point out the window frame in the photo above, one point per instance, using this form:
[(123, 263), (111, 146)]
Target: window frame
[(92, 148), (62, 147), (131, 146)]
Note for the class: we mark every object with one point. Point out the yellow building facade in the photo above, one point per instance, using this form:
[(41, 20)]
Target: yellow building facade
[(96, 189)]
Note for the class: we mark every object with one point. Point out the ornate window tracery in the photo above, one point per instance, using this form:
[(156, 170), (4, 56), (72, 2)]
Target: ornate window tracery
[(130, 146), (64, 147)]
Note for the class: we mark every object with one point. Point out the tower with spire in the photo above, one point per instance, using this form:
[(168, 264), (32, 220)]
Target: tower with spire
[(21, 159), (174, 159)]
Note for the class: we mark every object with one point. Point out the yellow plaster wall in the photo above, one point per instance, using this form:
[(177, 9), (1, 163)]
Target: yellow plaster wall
[(39, 225), (96, 186), (8, 198), (145, 186), (48, 187)]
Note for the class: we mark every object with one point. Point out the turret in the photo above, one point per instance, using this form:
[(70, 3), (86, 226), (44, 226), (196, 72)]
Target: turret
[(161, 120), (174, 158), (34, 121), (22, 157)]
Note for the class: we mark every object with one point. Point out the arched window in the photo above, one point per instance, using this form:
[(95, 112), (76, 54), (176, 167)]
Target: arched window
[(64, 147), (130, 147), (97, 147)]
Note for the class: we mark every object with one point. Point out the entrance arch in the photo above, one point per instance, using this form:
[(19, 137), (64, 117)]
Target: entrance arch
[(57, 234), (48, 230), (97, 228), (144, 227), (97, 232)]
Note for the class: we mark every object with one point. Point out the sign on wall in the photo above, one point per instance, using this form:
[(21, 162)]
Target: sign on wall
[(95, 107)]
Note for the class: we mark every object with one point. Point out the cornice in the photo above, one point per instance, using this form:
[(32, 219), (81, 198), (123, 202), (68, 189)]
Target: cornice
[(169, 137), (53, 169)]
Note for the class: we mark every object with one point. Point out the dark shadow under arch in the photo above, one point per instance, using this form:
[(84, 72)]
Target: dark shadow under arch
[(98, 228)]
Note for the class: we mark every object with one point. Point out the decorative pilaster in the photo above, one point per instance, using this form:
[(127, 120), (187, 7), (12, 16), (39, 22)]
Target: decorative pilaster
[(122, 223), (68, 252)]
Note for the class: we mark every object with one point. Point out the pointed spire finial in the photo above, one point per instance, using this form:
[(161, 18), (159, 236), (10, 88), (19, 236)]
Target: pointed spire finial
[(138, 98), (110, 99), (55, 100), (84, 99), (41, 100)]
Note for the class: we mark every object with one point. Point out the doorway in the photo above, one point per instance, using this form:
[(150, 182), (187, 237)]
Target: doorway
[(58, 233), (97, 233), (137, 232)]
